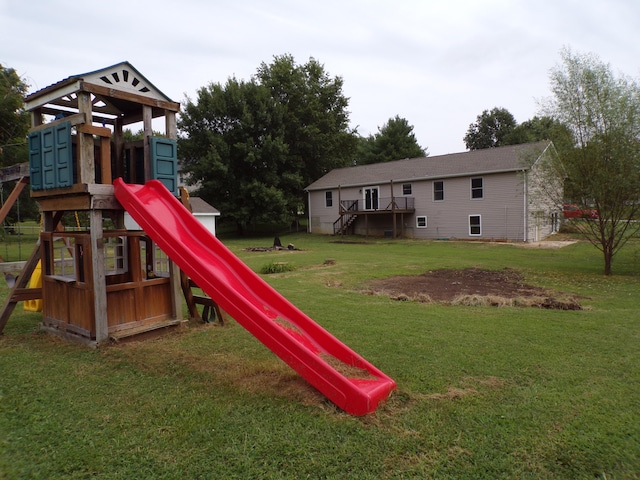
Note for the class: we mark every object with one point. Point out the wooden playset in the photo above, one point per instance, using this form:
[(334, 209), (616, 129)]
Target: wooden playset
[(101, 282)]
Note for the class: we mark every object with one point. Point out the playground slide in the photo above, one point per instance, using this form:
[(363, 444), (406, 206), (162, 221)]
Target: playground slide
[(339, 373)]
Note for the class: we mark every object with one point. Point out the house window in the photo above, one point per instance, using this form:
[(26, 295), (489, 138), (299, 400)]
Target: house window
[(475, 225), (406, 189), (421, 222), (328, 199), (477, 190), (438, 191)]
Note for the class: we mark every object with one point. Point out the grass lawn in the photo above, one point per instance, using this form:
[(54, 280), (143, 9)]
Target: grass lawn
[(483, 392)]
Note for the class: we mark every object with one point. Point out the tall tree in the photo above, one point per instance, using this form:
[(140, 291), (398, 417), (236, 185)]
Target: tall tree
[(602, 168), (252, 146), (14, 121), (315, 116), (234, 151), (395, 140), (540, 128), (490, 129), (14, 126)]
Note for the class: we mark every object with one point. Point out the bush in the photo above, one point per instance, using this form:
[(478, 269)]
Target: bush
[(277, 267)]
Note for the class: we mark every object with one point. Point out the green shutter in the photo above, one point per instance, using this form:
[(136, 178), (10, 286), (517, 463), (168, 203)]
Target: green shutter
[(63, 155), (164, 162), (51, 157), (35, 160)]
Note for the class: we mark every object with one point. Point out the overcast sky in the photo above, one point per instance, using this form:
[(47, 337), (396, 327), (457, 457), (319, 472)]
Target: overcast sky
[(438, 64)]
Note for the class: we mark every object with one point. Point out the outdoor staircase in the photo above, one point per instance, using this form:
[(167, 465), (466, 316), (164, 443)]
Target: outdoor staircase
[(342, 224), (347, 216)]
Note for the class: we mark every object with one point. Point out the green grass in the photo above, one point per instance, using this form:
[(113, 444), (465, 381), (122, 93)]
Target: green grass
[(483, 392)]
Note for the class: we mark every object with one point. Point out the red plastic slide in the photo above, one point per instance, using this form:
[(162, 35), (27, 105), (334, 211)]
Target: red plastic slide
[(342, 375)]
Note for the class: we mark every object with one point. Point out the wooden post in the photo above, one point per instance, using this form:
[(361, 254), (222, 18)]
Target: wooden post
[(13, 196), (105, 149), (118, 146), (98, 276), (340, 211), (170, 124), (86, 159), (393, 210), (147, 117)]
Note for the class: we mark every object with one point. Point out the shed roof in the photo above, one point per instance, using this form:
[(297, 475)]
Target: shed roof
[(475, 162), (199, 206)]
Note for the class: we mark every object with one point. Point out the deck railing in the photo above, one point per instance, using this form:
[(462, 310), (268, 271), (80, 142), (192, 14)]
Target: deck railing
[(380, 204)]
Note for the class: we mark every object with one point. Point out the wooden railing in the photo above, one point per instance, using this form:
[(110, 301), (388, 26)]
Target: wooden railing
[(381, 204)]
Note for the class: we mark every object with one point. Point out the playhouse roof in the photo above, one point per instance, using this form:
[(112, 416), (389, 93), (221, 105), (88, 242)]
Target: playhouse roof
[(117, 91), (475, 162)]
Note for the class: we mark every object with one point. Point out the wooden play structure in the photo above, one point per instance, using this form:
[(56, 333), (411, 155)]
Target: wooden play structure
[(101, 282)]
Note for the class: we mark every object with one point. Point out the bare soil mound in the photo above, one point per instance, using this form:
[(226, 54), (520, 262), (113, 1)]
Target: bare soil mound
[(472, 286)]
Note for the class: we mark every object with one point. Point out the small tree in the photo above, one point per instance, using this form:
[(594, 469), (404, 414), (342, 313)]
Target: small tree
[(394, 141), (602, 168), (490, 129)]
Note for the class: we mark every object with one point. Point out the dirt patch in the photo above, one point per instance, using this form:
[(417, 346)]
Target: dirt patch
[(471, 286)]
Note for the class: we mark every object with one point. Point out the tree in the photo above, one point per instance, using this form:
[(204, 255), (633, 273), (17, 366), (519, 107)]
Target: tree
[(14, 120), (602, 167), (490, 129), (538, 129), (234, 152), (394, 141), (252, 146), (14, 127), (315, 116)]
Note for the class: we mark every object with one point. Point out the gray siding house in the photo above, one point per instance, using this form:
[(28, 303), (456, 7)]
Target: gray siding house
[(497, 194)]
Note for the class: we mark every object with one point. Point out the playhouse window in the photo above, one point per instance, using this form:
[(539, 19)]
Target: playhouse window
[(63, 258), (160, 262), (156, 261), (115, 255)]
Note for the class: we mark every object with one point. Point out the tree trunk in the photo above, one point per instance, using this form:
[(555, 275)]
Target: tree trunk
[(608, 260)]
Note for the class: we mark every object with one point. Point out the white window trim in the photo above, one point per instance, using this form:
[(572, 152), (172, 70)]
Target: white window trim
[(471, 188), (418, 223), (364, 197), (469, 223), (325, 198)]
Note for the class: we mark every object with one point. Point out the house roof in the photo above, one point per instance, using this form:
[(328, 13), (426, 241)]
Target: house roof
[(199, 206), (475, 162), (117, 90)]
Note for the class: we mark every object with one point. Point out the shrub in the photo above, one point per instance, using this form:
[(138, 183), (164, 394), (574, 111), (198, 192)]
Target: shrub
[(277, 267)]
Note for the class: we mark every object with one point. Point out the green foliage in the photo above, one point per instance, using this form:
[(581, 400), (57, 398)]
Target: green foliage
[(394, 141), (252, 146), (483, 392), (14, 120), (491, 129), (602, 167), (538, 129)]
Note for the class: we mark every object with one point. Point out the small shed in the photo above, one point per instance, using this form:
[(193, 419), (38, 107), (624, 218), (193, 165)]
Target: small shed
[(202, 210), (205, 213)]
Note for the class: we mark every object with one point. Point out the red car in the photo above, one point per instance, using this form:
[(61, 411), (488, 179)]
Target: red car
[(573, 211)]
